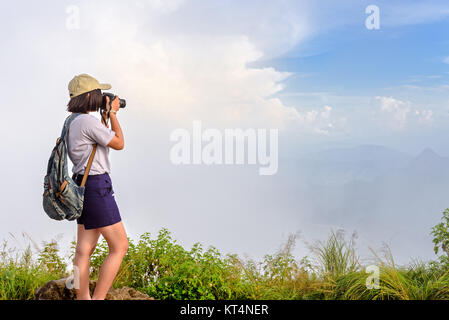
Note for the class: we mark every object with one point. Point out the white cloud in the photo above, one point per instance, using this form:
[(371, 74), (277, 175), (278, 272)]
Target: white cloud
[(424, 116), (159, 55), (399, 113), (446, 60), (170, 68), (396, 110)]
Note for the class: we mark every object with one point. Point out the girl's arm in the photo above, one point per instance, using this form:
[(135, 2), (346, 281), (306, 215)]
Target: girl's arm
[(117, 142)]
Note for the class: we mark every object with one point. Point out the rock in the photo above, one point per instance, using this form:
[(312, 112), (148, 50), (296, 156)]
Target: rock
[(126, 293), (57, 290)]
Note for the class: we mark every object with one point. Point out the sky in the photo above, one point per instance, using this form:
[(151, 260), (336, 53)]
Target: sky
[(311, 69)]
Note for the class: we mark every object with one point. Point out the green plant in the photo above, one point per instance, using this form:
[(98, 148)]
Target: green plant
[(21, 275), (164, 269), (50, 260), (336, 257), (440, 234)]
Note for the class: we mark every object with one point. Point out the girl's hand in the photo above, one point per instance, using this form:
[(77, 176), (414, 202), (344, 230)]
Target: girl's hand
[(115, 104)]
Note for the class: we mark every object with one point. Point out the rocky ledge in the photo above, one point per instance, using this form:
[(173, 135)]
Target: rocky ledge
[(57, 290)]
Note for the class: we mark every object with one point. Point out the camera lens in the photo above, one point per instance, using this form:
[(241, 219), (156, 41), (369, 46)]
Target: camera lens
[(112, 97)]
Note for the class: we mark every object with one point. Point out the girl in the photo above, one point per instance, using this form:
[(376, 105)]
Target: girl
[(100, 212)]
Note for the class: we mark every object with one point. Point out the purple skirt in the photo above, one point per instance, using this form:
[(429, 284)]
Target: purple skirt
[(99, 208)]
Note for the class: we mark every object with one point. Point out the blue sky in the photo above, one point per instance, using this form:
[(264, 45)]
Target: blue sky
[(347, 66), (350, 59)]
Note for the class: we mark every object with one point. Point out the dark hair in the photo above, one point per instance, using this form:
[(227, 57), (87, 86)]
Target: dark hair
[(89, 101)]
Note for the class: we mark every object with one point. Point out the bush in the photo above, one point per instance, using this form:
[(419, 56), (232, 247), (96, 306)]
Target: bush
[(21, 275), (165, 270)]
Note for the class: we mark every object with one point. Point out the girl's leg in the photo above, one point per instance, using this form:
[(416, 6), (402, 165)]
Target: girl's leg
[(117, 240), (85, 246)]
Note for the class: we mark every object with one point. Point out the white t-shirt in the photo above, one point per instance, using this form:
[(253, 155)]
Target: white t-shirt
[(85, 131)]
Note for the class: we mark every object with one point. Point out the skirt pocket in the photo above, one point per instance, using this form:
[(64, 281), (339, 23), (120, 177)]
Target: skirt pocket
[(105, 188), (98, 189)]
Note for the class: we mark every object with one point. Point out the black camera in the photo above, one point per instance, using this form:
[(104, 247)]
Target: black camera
[(111, 97)]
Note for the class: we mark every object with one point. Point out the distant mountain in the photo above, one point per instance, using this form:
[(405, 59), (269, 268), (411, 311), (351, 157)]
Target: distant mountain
[(362, 154), (415, 191), (381, 193), (426, 175), (343, 165), (428, 161)]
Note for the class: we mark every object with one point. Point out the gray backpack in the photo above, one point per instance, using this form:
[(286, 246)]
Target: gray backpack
[(63, 198)]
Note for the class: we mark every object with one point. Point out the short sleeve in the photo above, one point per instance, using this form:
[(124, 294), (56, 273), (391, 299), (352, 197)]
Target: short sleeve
[(99, 132)]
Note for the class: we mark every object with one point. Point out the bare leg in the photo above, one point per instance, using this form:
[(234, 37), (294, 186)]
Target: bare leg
[(117, 240), (85, 246)]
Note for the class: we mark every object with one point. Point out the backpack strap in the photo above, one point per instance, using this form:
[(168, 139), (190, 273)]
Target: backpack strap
[(64, 133), (66, 127), (89, 164)]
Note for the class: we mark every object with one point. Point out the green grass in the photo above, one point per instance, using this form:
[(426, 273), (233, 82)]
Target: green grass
[(21, 275), (165, 270)]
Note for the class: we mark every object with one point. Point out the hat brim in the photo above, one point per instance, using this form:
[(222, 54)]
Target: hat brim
[(104, 86)]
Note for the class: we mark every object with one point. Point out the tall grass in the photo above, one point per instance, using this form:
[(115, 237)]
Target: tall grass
[(162, 268), (21, 273)]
